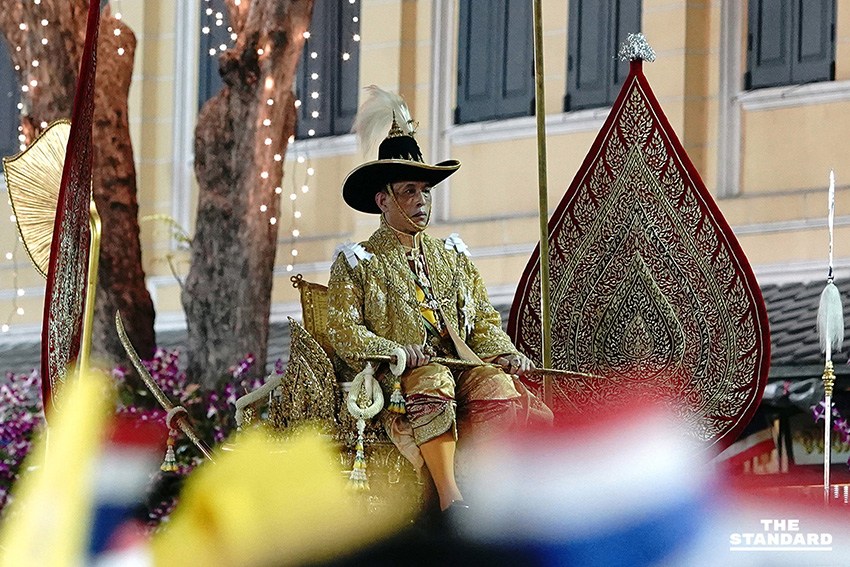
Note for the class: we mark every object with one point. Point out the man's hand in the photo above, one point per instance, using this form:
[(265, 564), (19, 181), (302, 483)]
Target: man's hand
[(514, 363), (416, 356)]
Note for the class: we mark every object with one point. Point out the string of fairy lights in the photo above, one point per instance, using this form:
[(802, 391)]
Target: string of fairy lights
[(303, 173), (12, 255)]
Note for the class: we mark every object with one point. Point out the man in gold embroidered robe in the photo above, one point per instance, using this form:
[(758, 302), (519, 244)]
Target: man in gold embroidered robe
[(405, 289)]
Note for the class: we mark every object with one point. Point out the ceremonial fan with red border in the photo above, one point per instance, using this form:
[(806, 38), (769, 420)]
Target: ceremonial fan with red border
[(59, 224), (649, 287)]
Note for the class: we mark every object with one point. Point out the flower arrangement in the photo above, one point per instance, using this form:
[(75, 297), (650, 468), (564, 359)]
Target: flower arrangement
[(211, 411), (21, 415), (840, 425)]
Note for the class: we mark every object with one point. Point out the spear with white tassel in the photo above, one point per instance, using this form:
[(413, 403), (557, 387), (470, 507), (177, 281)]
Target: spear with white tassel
[(831, 335)]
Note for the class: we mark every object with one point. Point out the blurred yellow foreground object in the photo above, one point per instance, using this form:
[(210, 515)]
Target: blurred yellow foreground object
[(268, 503), (49, 519)]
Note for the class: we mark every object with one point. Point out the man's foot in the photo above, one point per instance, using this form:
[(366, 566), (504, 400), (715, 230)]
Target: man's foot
[(457, 506), (455, 516), (444, 521)]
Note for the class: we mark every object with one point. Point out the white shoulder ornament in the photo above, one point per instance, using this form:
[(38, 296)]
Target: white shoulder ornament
[(353, 253), (453, 241)]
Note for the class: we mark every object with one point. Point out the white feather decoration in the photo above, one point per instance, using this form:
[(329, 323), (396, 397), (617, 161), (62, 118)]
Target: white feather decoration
[(375, 116), (830, 320)]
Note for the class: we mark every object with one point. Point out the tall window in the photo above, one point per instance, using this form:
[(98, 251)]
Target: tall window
[(790, 42), (596, 28), (215, 38), (495, 60), (9, 97), (327, 81)]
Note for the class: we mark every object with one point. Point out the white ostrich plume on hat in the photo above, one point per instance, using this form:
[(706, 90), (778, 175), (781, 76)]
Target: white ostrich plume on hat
[(374, 117)]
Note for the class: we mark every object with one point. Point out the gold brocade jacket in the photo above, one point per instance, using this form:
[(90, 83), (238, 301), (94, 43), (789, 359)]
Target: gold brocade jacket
[(372, 307)]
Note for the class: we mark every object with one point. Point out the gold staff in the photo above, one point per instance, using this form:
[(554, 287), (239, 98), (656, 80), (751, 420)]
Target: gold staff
[(543, 207), (466, 364), (180, 417)]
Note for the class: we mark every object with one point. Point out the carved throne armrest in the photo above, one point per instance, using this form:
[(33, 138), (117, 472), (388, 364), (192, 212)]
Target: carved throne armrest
[(252, 399)]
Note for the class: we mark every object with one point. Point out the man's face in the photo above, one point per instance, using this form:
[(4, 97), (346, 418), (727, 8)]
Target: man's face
[(414, 198)]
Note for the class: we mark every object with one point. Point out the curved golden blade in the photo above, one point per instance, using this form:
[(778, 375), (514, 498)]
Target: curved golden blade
[(33, 178)]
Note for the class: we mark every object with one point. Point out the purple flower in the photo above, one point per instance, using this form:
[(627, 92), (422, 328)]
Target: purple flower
[(818, 411), (210, 411), (242, 368), (21, 415), (839, 424)]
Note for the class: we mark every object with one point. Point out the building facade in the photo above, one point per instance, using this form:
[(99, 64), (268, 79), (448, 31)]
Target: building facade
[(758, 91)]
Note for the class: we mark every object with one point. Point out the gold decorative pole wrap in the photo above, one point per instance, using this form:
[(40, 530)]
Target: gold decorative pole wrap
[(828, 383), (91, 288), (543, 207)]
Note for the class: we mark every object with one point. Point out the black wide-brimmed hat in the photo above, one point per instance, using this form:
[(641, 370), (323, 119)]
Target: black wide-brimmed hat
[(399, 156)]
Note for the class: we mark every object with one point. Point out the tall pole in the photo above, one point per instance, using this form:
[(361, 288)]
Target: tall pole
[(543, 206), (825, 314), (831, 334)]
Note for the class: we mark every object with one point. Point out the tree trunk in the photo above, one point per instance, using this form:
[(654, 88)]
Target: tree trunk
[(121, 280), (240, 141)]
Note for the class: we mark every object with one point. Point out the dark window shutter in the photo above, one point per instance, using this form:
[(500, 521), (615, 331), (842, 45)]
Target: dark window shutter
[(209, 79), (348, 75), (321, 42), (477, 42), (9, 97), (517, 74), (814, 47), (495, 60), (596, 30), (587, 59), (627, 19), (790, 42), (769, 42), (331, 34)]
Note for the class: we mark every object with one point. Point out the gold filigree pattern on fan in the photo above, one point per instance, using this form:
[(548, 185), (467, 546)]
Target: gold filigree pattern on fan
[(646, 286)]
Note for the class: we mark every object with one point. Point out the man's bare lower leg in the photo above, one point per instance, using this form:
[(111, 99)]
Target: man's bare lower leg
[(439, 456)]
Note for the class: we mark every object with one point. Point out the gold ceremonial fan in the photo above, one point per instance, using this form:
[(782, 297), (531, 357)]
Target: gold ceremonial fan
[(33, 178)]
